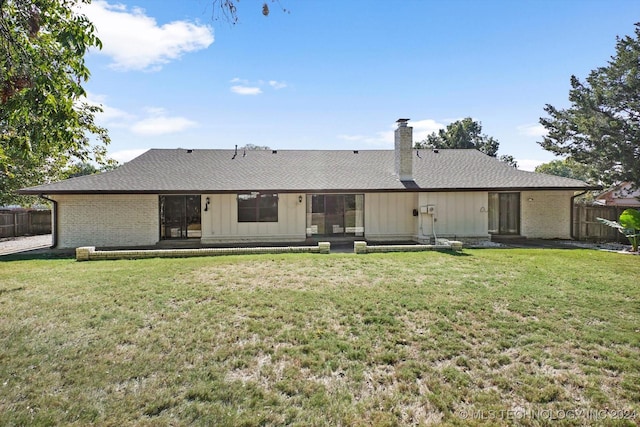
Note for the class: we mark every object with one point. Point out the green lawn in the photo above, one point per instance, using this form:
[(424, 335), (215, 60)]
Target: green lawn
[(488, 337)]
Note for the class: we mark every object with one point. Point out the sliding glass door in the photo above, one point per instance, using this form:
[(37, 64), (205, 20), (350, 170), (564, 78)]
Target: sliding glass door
[(335, 215), (180, 217), (504, 213)]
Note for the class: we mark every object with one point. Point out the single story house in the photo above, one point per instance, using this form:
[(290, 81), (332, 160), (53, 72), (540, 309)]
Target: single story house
[(230, 196)]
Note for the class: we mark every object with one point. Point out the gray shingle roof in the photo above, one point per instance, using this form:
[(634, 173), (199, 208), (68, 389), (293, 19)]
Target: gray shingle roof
[(202, 171)]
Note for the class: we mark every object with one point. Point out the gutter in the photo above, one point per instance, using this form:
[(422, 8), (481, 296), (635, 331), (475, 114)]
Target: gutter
[(54, 232), (571, 233), (316, 190)]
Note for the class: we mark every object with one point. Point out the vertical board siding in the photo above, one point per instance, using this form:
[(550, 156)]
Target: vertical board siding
[(390, 215), (458, 214), (220, 222)]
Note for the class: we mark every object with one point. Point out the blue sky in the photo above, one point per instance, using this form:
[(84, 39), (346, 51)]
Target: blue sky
[(335, 74)]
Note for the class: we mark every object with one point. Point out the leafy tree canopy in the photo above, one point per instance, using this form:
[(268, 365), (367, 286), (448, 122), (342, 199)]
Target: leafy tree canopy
[(465, 133), (601, 128), (85, 168), (567, 168), (253, 147), (44, 123), (508, 159)]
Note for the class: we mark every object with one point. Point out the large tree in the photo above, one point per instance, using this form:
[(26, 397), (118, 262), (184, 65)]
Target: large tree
[(601, 128), (567, 168), (465, 133), (44, 123)]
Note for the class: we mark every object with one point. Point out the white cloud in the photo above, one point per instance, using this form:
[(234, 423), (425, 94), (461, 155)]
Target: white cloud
[(135, 41), (528, 164), (385, 138), (379, 139), (109, 116), (245, 87), (422, 128), (535, 129), (351, 137), (277, 85), (159, 123), (124, 156), (246, 90)]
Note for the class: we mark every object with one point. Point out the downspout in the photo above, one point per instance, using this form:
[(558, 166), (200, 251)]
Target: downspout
[(571, 233), (54, 232)]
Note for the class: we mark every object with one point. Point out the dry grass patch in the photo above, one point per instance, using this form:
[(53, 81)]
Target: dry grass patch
[(381, 339)]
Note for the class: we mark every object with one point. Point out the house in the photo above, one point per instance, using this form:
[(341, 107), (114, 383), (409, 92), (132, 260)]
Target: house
[(230, 196), (622, 195)]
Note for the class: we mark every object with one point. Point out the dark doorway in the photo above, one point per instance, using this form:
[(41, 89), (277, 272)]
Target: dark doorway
[(180, 217), (504, 213)]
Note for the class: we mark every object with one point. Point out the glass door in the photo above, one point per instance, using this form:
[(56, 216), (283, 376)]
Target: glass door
[(180, 217), (504, 213), (335, 215)]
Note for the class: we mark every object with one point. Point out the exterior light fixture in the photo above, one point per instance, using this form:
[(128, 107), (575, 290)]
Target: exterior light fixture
[(206, 204), (300, 198)]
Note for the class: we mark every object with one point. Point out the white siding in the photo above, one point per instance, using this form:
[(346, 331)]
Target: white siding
[(457, 215), (389, 216), (547, 215), (107, 220), (220, 222)]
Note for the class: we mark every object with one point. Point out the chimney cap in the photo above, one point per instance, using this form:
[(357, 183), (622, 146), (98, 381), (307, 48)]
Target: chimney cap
[(402, 122)]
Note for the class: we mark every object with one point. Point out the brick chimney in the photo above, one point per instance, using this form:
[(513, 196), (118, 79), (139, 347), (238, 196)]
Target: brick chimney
[(403, 150)]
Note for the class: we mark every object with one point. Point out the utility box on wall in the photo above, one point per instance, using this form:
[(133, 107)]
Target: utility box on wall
[(428, 209)]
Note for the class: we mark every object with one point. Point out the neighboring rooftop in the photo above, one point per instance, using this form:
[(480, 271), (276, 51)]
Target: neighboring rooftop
[(203, 171)]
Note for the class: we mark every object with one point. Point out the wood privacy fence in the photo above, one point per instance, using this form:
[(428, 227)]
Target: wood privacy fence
[(24, 222), (586, 226)]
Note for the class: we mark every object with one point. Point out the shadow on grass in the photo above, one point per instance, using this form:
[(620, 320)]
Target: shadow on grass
[(6, 291), (36, 255), (456, 253)]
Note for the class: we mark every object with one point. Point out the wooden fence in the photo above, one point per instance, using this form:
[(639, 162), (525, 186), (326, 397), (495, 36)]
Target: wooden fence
[(586, 226), (24, 222)]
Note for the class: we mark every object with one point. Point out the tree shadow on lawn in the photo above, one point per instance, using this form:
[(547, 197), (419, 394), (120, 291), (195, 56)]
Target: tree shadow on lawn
[(37, 254)]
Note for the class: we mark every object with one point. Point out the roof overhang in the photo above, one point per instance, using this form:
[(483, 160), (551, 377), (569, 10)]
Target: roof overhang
[(406, 189)]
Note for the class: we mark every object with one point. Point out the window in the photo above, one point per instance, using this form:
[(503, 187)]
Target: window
[(257, 207)]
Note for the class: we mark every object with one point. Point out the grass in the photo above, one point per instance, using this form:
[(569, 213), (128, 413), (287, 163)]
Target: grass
[(487, 337)]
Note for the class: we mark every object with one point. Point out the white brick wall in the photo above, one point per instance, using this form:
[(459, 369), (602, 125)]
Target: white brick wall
[(547, 215), (107, 220)]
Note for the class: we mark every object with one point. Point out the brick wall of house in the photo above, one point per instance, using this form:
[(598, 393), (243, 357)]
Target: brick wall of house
[(107, 220), (546, 214)]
